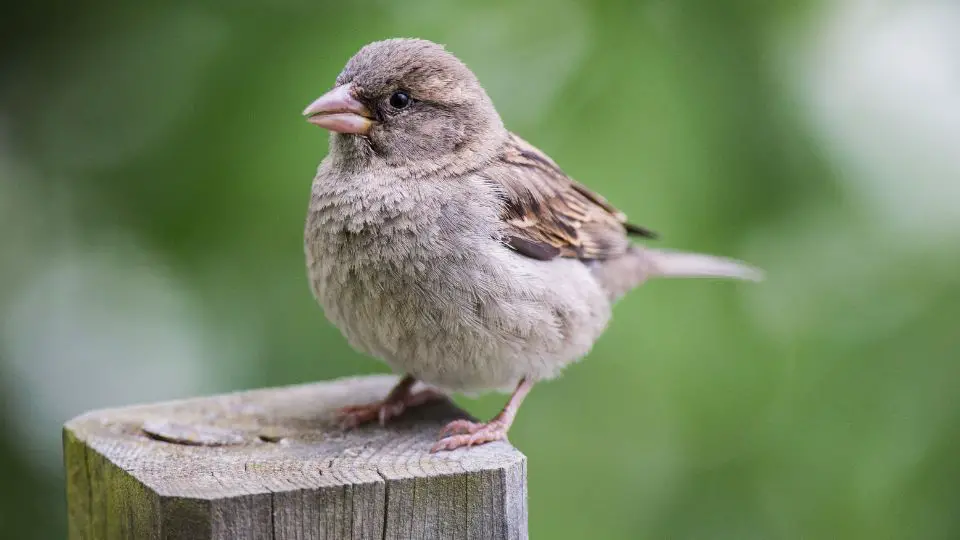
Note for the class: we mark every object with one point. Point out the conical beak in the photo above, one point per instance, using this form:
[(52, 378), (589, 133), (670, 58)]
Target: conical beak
[(339, 111)]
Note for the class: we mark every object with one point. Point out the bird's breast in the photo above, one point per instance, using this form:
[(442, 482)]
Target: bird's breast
[(421, 281)]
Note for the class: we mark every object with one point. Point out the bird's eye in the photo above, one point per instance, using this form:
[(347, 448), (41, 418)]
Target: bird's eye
[(400, 100)]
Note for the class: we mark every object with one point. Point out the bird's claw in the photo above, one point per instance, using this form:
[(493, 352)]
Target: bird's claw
[(460, 427), (355, 415), (385, 410), (460, 433)]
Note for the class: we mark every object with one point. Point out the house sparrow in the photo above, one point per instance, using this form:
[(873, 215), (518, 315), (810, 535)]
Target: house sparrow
[(448, 247)]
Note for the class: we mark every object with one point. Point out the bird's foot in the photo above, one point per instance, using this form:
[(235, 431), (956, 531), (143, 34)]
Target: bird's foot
[(384, 410), (460, 433)]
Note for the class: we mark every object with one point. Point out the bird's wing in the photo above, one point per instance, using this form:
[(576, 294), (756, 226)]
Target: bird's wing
[(547, 214)]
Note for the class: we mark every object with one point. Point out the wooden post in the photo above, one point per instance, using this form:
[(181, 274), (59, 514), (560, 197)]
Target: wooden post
[(271, 464)]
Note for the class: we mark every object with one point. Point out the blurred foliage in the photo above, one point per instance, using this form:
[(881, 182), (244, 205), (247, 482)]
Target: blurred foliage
[(154, 173)]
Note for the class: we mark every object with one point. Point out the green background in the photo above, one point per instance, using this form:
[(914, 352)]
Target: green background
[(154, 173)]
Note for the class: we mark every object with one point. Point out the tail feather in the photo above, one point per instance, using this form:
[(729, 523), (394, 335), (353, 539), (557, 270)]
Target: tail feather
[(619, 275), (679, 264)]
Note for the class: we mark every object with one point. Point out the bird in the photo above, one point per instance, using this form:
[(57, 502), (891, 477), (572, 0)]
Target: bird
[(451, 249)]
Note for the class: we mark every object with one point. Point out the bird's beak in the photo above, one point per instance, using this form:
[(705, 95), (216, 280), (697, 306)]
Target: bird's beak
[(339, 111)]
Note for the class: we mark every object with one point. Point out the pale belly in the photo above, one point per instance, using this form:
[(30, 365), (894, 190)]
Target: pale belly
[(467, 324)]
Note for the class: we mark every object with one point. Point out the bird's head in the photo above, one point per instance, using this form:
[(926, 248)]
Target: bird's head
[(407, 101)]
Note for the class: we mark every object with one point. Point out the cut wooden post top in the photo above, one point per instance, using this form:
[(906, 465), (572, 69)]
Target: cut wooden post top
[(273, 464)]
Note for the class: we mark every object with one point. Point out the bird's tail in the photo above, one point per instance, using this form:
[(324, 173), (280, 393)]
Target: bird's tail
[(679, 264), (617, 276)]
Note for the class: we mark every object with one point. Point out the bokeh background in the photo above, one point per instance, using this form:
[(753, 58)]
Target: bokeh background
[(154, 173)]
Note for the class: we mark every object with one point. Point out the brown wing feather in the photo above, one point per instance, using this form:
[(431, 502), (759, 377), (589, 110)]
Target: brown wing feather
[(547, 214)]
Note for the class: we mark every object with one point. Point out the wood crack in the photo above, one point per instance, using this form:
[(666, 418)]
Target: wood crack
[(386, 502)]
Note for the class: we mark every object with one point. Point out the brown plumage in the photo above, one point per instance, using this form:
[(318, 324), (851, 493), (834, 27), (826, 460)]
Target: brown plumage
[(548, 214)]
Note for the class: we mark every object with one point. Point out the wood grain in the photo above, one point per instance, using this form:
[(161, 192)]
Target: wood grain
[(271, 464)]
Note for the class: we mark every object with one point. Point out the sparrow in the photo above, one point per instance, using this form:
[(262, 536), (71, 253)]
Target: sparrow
[(456, 252)]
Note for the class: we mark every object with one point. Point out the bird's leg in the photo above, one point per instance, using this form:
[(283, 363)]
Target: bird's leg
[(398, 400), (466, 433)]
